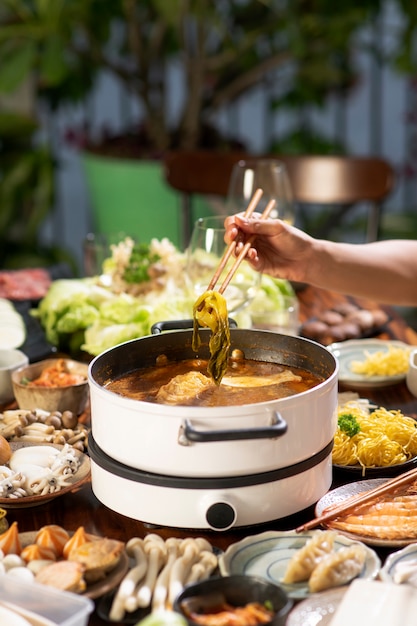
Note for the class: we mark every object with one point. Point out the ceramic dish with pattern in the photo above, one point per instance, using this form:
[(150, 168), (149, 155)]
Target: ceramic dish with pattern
[(355, 350), (316, 610), (397, 560), (336, 496), (267, 555)]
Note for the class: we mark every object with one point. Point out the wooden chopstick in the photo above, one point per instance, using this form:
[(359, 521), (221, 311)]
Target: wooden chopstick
[(271, 204), (361, 498), (230, 249)]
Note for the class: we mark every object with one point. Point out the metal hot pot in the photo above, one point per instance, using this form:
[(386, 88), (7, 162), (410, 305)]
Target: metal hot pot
[(212, 467)]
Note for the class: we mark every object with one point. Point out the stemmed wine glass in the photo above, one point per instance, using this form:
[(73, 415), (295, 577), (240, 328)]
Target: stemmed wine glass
[(203, 255), (268, 174)]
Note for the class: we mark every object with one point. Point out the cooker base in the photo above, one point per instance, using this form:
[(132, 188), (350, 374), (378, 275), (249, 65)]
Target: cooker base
[(205, 504)]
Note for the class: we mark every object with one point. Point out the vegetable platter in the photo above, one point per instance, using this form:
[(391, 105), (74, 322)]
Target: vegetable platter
[(140, 285)]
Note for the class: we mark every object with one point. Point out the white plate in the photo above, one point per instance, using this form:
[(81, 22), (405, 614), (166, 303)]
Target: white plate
[(409, 553), (339, 494), (267, 555), (354, 350), (316, 610)]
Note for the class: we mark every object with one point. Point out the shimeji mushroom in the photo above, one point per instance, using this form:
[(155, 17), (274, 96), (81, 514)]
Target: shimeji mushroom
[(154, 546), (189, 550), (203, 568), (160, 592), (134, 548)]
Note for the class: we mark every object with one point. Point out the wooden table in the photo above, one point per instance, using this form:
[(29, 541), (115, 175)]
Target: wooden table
[(83, 509)]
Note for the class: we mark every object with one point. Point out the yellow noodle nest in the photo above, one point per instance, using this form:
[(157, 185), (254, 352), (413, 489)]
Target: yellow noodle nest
[(385, 438), (391, 362)]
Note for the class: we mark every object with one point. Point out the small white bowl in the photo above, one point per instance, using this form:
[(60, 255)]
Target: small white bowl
[(10, 360), (411, 378)]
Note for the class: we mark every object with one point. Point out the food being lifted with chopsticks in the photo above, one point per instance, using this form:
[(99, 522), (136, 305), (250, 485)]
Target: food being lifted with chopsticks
[(210, 309)]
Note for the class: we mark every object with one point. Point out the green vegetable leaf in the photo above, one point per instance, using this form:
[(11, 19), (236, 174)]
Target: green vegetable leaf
[(139, 263), (348, 424)]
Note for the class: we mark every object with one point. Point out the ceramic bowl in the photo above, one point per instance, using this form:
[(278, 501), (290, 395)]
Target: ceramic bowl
[(236, 590), (10, 360), (411, 378), (70, 398)]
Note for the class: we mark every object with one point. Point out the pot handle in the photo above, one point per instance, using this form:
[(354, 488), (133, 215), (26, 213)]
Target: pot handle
[(158, 327), (277, 429)]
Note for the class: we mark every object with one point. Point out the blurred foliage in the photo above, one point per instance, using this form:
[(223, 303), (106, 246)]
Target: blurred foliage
[(222, 48), (27, 175), (304, 49)]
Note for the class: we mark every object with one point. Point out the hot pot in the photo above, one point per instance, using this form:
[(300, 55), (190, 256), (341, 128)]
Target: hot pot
[(212, 467)]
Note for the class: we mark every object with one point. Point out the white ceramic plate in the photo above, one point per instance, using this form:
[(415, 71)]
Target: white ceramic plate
[(354, 350), (316, 610), (267, 555), (407, 554), (346, 491)]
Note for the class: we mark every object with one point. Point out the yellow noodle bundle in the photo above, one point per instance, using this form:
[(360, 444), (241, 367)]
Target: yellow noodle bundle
[(385, 438), (391, 362)]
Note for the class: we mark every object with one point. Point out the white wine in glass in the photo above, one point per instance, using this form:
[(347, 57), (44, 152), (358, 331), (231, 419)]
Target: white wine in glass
[(268, 174), (203, 256)]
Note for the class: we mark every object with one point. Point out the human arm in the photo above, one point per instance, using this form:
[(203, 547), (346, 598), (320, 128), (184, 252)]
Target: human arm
[(385, 271)]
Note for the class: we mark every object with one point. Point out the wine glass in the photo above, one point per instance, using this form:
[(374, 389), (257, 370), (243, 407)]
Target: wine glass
[(268, 174), (203, 256)]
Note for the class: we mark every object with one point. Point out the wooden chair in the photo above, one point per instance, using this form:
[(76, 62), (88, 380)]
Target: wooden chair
[(316, 180)]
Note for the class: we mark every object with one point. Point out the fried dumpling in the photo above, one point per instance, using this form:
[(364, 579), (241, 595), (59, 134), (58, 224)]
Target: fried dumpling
[(97, 557), (305, 560), (338, 568), (64, 575)]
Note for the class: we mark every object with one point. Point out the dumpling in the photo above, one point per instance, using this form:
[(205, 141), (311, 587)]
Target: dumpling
[(305, 560), (78, 539), (338, 568), (53, 537)]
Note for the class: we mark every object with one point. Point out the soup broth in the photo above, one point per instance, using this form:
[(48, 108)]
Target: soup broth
[(245, 382)]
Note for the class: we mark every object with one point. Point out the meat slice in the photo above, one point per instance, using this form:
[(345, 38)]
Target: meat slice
[(260, 381), (24, 284), (184, 388)]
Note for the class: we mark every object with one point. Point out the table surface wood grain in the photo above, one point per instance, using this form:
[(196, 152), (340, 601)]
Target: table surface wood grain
[(81, 508)]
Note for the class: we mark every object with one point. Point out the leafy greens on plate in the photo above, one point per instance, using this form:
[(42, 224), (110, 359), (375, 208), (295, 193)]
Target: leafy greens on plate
[(96, 313)]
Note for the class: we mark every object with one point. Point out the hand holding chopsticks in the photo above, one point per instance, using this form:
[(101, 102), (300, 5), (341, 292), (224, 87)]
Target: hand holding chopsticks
[(230, 249), (232, 246)]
